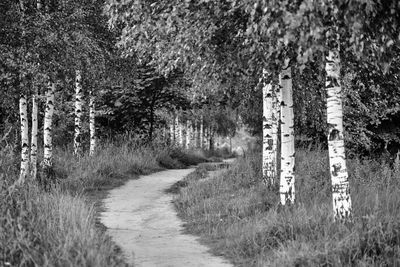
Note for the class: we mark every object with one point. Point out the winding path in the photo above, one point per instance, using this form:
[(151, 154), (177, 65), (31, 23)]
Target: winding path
[(142, 220)]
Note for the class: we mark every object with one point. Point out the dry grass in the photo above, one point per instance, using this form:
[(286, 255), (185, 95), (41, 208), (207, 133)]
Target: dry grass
[(241, 219)]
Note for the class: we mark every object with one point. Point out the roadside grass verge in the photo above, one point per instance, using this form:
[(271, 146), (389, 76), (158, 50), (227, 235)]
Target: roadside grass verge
[(58, 227), (239, 218)]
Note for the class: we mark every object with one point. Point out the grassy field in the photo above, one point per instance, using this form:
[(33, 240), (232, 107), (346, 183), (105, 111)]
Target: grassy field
[(58, 227), (241, 219)]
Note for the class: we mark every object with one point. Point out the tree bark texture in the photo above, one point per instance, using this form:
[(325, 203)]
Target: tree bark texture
[(23, 114), (268, 154), (342, 207), (287, 178), (92, 123), (34, 135), (78, 114), (48, 128)]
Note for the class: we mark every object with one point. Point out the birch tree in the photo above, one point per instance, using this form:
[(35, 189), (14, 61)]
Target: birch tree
[(34, 135), (337, 157), (188, 133), (48, 129), (172, 131), (23, 114), (92, 123), (268, 152), (201, 132), (287, 178), (78, 114)]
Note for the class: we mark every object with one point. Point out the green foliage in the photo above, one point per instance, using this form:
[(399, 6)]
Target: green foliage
[(241, 219)]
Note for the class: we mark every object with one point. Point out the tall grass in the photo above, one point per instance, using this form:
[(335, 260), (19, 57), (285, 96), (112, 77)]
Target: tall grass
[(243, 220), (58, 227)]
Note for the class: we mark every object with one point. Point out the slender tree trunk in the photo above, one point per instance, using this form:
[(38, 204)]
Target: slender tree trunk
[(34, 136), (201, 132), (206, 138), (92, 123), (23, 114), (269, 154), (172, 131), (194, 134), (337, 158), (211, 139), (188, 133), (78, 114), (178, 137), (180, 130), (276, 119), (287, 190), (48, 129)]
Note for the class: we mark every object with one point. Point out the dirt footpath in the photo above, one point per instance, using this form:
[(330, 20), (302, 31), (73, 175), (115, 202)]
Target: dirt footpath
[(142, 220)]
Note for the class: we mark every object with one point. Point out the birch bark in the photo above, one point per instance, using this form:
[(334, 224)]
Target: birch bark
[(48, 128), (287, 189), (78, 114), (171, 131), (188, 133), (201, 145), (34, 135), (92, 123), (23, 114), (268, 154), (342, 207)]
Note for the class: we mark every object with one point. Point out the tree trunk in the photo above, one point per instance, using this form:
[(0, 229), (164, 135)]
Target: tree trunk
[(172, 132), (276, 119), (188, 133), (195, 134), (211, 139), (201, 132), (180, 130), (287, 190), (92, 123), (206, 138), (268, 154), (23, 114), (48, 129), (177, 131), (78, 114), (34, 136), (337, 158)]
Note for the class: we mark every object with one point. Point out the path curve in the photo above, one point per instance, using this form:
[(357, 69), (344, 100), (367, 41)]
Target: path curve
[(142, 220)]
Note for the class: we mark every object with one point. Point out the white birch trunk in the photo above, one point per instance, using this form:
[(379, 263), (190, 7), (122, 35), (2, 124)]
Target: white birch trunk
[(172, 132), (177, 131), (180, 130), (34, 135), (78, 114), (188, 133), (23, 114), (268, 154), (276, 117), (201, 132), (48, 128), (287, 190), (92, 124), (337, 158), (195, 134), (206, 138)]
